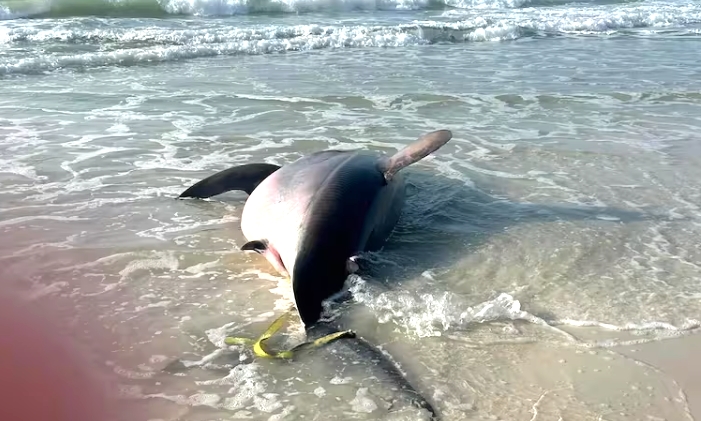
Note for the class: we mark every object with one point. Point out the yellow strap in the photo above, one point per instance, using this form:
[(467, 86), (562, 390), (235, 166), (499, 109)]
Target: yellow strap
[(260, 351), (324, 340)]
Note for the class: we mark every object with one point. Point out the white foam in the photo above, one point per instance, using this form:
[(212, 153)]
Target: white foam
[(478, 21), (14, 167), (23, 219), (248, 389), (43, 290), (597, 20), (131, 374), (204, 399), (340, 380), (167, 159), (689, 324), (107, 260), (82, 156), (201, 269), (185, 225), (431, 314), (236, 41), (204, 360), (84, 139), (236, 7), (434, 314), (37, 246), (362, 402), (486, 4), (282, 415), (233, 7), (161, 304), (163, 260)]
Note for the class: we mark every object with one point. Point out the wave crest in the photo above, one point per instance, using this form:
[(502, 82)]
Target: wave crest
[(162, 8)]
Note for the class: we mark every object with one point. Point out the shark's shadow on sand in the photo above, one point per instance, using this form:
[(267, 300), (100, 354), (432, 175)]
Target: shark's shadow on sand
[(444, 220)]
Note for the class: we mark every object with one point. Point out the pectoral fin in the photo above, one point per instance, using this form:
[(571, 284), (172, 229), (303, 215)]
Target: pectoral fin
[(256, 245), (242, 177)]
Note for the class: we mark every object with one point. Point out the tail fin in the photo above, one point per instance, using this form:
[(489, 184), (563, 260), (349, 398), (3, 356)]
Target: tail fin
[(243, 177), (426, 144)]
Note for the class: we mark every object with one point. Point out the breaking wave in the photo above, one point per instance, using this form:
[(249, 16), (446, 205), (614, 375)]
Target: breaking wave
[(103, 44), (164, 8), (12, 9)]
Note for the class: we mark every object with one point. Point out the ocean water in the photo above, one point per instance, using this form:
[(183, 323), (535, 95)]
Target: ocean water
[(561, 221)]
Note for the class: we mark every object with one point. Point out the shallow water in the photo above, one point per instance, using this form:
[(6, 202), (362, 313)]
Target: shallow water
[(561, 220)]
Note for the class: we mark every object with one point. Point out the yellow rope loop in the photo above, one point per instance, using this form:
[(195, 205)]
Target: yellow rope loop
[(260, 350), (233, 340)]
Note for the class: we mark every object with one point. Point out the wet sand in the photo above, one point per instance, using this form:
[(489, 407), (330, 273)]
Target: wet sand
[(678, 359)]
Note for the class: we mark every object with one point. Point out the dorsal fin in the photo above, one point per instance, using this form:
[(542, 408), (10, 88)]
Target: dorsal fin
[(242, 177), (426, 144)]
